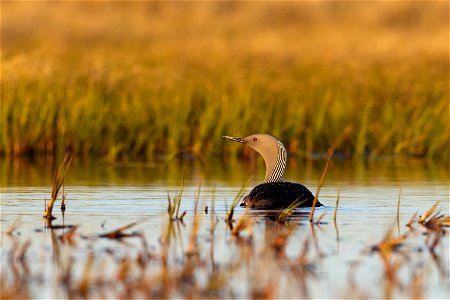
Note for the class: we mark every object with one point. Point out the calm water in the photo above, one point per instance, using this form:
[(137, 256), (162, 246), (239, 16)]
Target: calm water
[(103, 197)]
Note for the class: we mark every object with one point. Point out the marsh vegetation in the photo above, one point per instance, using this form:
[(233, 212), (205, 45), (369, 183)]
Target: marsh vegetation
[(126, 81), (125, 88)]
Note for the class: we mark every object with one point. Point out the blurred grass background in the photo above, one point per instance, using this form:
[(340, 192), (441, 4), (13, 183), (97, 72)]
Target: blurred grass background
[(141, 80)]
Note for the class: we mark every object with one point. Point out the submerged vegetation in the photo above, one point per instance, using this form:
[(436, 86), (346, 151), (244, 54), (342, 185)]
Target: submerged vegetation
[(140, 80)]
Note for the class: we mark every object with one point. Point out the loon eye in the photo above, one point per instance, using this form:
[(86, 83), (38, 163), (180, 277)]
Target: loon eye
[(255, 139)]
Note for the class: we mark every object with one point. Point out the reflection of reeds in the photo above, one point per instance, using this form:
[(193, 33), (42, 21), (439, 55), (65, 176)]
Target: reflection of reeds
[(395, 256), (192, 248), (119, 232), (175, 270), (68, 237), (14, 225), (243, 223)]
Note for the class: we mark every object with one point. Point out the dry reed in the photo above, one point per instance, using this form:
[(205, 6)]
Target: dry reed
[(344, 135), (229, 215), (58, 180), (174, 208), (337, 203)]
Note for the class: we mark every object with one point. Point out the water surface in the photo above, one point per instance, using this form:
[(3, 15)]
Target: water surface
[(102, 197)]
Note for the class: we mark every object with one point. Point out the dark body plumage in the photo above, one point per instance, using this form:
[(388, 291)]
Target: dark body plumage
[(276, 195)]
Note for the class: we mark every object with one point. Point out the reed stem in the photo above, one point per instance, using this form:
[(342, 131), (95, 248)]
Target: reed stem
[(58, 180), (330, 153), (337, 203)]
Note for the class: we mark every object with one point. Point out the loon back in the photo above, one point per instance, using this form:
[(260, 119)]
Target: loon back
[(278, 195)]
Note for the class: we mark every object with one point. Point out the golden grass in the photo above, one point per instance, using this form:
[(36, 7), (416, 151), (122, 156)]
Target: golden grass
[(137, 80)]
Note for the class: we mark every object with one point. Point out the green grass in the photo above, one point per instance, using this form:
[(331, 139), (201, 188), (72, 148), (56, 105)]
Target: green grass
[(173, 83)]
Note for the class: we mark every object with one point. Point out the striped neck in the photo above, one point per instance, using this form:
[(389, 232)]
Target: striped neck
[(275, 167)]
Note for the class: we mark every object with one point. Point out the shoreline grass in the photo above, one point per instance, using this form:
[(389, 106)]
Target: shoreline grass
[(158, 90), (152, 124)]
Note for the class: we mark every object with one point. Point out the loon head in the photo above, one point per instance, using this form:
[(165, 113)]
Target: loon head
[(272, 151), (264, 144)]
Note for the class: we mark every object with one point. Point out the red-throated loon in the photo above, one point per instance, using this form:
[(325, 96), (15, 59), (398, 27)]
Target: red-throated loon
[(274, 193)]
